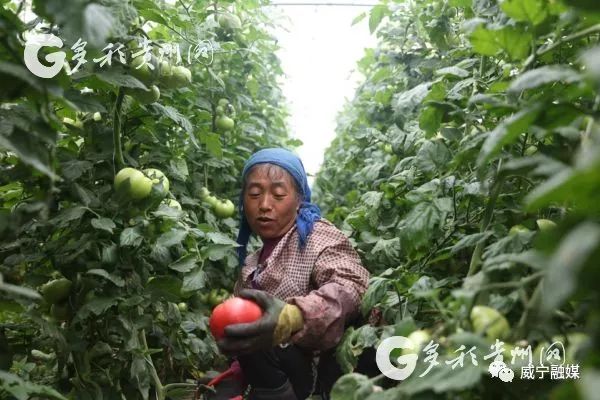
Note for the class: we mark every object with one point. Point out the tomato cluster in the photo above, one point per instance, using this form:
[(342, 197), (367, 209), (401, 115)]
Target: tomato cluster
[(221, 208)]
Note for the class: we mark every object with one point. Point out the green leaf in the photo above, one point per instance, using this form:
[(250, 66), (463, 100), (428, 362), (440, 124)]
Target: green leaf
[(352, 344), (24, 145), (376, 290), (19, 290), (578, 248), (541, 76), (432, 156), (119, 77), (507, 132), (174, 115), (69, 214), (96, 306), (470, 240), (407, 101), (418, 225), (131, 237), (98, 24), (579, 185), (152, 15), (532, 11), (140, 375), (591, 5), (430, 119), (171, 238), (515, 42), (212, 141), (443, 378), (454, 71), (194, 280), (24, 390), (377, 13), (185, 263), (460, 3), (165, 287), (359, 18), (389, 247), (352, 387), (221, 238), (106, 224), (119, 282), (216, 252), (179, 169)]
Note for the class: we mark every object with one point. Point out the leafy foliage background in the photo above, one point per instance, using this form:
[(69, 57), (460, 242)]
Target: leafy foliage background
[(475, 120), (130, 264)]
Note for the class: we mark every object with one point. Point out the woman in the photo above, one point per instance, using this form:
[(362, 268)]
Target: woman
[(307, 278)]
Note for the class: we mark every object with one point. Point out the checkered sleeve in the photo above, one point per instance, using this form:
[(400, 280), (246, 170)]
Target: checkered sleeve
[(340, 281)]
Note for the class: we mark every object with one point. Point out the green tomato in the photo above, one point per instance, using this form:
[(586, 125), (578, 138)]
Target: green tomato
[(40, 355), (223, 103), (141, 70), (220, 110), (490, 322), (531, 150), (204, 193), (225, 123), (182, 306), (97, 117), (212, 200), (229, 21), (224, 209), (165, 70), (518, 229), (545, 224), (145, 96), (419, 338), (388, 148), (179, 76), (76, 123), (213, 298), (157, 178), (139, 186), (56, 290)]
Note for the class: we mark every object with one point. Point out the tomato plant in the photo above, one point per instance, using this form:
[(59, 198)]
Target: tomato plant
[(106, 240), (463, 171)]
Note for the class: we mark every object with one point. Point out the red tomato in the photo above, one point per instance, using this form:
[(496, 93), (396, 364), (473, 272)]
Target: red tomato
[(233, 311)]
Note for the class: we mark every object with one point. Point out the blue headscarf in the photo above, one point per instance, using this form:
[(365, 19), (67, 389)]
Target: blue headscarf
[(308, 212)]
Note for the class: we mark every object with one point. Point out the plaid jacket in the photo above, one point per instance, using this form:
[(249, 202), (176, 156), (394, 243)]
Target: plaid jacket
[(326, 280)]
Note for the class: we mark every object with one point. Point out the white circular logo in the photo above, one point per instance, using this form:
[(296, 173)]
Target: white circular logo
[(384, 350), (57, 59)]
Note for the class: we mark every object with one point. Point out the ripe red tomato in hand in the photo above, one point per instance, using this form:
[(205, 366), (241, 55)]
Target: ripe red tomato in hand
[(233, 311)]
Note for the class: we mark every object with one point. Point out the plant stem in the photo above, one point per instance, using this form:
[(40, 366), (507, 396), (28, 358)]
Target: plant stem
[(531, 306), (577, 35), (118, 151), (487, 218), (160, 390)]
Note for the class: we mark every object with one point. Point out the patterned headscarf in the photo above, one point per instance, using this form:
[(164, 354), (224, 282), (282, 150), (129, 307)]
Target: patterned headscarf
[(308, 212)]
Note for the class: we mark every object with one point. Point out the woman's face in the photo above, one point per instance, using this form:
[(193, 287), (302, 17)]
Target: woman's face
[(270, 200)]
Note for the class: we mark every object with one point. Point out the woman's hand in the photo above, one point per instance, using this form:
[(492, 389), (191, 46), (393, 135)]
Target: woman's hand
[(277, 324)]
